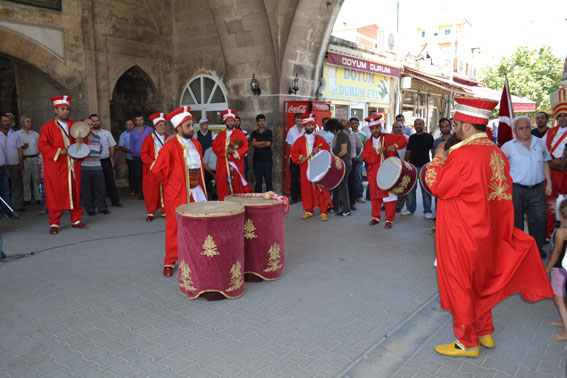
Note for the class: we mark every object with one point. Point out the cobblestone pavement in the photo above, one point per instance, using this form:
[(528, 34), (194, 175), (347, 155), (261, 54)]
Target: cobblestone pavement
[(354, 301)]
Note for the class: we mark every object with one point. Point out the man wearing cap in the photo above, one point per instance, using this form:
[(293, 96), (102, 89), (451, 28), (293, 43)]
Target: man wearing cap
[(481, 257), (305, 147), (179, 167), (377, 148), (230, 146), (555, 140), (152, 188), (62, 174), (203, 135)]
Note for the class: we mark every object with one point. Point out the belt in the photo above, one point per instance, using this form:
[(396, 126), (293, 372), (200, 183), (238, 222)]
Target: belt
[(30, 156), (529, 186)]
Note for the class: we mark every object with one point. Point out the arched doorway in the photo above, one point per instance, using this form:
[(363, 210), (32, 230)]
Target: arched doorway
[(133, 93), (207, 98)]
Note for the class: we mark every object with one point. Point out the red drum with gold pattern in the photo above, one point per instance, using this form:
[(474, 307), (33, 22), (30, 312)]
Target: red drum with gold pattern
[(264, 236), (422, 178), (211, 249), (326, 169), (396, 176)]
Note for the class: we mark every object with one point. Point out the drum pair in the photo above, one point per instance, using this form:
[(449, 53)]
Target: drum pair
[(221, 244)]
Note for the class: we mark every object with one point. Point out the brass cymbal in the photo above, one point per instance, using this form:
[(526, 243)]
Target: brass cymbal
[(80, 129)]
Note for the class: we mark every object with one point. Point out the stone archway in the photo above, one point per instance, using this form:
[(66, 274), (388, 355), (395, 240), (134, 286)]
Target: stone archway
[(133, 93)]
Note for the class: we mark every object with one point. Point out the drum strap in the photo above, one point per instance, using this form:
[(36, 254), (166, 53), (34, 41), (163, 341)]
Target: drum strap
[(159, 140), (70, 164), (64, 132)]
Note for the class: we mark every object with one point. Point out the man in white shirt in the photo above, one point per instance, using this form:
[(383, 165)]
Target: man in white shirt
[(4, 179), (407, 129), (529, 168), (30, 180), (292, 135), (107, 159), (14, 163)]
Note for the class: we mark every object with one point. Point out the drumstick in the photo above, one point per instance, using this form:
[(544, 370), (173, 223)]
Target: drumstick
[(310, 156)]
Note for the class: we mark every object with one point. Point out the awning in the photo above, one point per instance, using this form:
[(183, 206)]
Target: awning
[(519, 104)]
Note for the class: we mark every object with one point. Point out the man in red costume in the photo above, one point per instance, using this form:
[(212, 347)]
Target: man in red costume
[(302, 150), (153, 189), (62, 174), (230, 146), (376, 149), (179, 167), (481, 257), (555, 140)]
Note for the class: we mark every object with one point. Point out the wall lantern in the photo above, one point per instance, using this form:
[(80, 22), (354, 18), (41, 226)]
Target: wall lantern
[(254, 86), (295, 85)]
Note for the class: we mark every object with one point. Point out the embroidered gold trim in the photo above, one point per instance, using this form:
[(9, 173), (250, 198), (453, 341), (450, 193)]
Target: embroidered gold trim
[(498, 185), (402, 185), (209, 247), (236, 280), (468, 141), (338, 163), (185, 281), (274, 262), (249, 229), (431, 174)]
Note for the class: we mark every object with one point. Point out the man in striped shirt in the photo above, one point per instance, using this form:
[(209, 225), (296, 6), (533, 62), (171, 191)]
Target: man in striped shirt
[(93, 191)]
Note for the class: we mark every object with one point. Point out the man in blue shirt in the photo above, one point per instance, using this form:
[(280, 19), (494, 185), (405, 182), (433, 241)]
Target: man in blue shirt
[(139, 133), (124, 145)]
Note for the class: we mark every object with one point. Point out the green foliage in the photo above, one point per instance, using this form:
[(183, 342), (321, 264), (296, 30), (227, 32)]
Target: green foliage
[(532, 74)]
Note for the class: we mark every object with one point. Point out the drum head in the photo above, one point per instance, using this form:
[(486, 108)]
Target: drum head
[(79, 151), (80, 129), (319, 166), (209, 209), (389, 173), (258, 200)]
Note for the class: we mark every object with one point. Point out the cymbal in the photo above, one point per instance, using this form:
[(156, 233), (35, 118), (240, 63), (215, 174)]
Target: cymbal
[(80, 129)]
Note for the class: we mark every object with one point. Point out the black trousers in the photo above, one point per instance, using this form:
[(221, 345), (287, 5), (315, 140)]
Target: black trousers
[(341, 201), (263, 171), (92, 191), (138, 174), (532, 201), (295, 183), (109, 183), (131, 175), (351, 187)]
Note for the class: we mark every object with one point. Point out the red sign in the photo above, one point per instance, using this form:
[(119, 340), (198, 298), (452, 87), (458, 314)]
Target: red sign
[(362, 65)]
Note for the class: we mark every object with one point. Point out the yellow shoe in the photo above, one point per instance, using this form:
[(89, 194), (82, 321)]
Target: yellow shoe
[(306, 215), (324, 217), (487, 341), (456, 349)]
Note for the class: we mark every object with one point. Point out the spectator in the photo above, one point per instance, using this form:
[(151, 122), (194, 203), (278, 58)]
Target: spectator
[(238, 125), (210, 166), (30, 153), (357, 165), (14, 163), (529, 168), (93, 192), (417, 153), (342, 149), (541, 121), (203, 135), (407, 129), (325, 133), (107, 159), (445, 130), (124, 146), (139, 133), (4, 179), (292, 134), (262, 143), (355, 151)]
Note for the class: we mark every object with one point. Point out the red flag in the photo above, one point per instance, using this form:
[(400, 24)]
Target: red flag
[(505, 116)]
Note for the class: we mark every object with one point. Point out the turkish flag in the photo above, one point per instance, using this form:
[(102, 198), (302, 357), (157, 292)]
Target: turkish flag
[(505, 116)]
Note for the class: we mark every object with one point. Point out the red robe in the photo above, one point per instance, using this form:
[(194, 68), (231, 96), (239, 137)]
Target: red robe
[(62, 185), (233, 184), (152, 189), (558, 181), (170, 169), (481, 257), (311, 194)]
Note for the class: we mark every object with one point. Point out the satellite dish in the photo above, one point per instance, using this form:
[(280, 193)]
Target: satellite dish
[(391, 41)]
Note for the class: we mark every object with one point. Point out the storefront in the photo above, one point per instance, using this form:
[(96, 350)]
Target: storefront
[(355, 86)]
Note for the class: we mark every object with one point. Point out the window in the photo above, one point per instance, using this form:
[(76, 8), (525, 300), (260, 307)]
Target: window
[(447, 31), (207, 98)]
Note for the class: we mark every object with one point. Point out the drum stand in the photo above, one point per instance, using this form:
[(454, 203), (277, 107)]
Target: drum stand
[(8, 207)]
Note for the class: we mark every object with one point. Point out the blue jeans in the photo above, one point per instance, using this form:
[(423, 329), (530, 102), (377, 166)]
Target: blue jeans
[(411, 204), (357, 169), (263, 171), (4, 192)]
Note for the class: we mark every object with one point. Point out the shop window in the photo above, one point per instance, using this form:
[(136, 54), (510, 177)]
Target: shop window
[(207, 98)]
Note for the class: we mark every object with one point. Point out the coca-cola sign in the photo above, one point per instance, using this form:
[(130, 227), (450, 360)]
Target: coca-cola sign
[(362, 65), (321, 107), (294, 108)]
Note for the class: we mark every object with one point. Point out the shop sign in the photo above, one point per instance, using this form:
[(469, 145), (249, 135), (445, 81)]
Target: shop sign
[(354, 85), (362, 65)]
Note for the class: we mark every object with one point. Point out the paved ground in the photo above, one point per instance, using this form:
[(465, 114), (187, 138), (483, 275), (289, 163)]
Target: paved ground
[(354, 301)]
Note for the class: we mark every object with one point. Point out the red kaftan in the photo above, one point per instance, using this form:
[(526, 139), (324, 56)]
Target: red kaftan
[(224, 182), (170, 169), (311, 194), (152, 189), (481, 257), (374, 160), (62, 184), (558, 179)]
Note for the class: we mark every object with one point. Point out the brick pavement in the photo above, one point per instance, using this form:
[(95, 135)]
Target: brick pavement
[(354, 301)]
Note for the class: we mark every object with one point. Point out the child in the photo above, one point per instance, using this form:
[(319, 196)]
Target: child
[(558, 274)]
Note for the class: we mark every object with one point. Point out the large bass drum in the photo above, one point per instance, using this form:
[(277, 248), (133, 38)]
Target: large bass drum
[(326, 169), (422, 181), (396, 176)]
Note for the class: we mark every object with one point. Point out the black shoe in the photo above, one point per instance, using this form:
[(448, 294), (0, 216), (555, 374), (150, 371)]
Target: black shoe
[(119, 204), (38, 202), (26, 203), (105, 211), (332, 210), (346, 213), (91, 213), (2, 256), (292, 202)]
